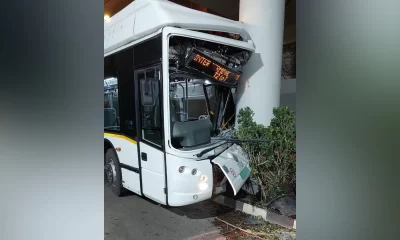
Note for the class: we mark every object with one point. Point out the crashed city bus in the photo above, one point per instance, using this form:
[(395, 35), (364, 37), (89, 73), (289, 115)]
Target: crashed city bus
[(170, 75)]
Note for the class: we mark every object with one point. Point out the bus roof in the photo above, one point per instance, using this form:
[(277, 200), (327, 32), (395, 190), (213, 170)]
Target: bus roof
[(144, 17)]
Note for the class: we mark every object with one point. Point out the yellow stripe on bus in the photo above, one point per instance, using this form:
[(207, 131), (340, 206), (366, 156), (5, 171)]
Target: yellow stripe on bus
[(120, 136)]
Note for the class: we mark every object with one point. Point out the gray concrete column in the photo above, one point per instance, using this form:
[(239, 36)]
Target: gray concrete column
[(260, 84)]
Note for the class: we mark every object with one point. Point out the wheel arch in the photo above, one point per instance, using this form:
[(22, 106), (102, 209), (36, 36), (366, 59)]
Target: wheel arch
[(107, 145)]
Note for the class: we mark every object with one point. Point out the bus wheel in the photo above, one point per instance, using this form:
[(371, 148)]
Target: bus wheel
[(113, 172)]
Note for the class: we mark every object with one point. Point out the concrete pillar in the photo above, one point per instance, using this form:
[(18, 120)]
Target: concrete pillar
[(260, 84)]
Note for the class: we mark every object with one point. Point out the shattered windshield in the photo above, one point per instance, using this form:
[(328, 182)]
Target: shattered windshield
[(199, 111), (189, 100), (202, 78)]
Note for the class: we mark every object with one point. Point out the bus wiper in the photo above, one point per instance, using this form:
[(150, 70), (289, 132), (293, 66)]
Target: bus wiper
[(229, 140), (234, 140), (209, 149)]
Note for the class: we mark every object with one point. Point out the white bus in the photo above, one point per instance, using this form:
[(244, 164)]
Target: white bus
[(170, 75)]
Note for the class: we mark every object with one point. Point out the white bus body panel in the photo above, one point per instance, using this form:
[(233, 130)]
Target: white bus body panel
[(144, 17), (153, 173), (183, 188), (129, 156), (234, 163)]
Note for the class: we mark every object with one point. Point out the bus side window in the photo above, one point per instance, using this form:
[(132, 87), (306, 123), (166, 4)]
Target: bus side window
[(111, 96), (127, 93)]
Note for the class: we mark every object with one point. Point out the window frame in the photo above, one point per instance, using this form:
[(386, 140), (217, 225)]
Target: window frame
[(118, 116), (139, 105), (126, 94)]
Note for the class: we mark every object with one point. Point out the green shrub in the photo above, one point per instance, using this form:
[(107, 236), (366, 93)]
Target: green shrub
[(273, 162)]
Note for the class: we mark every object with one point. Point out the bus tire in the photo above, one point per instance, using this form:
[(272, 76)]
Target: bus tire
[(113, 172)]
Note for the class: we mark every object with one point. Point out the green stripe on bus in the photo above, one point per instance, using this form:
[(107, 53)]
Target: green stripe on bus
[(244, 173)]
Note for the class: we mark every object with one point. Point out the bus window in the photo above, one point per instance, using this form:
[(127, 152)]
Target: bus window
[(150, 112), (111, 105), (127, 93)]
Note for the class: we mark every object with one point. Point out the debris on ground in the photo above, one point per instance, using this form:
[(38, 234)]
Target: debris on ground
[(236, 225), (285, 205), (253, 221)]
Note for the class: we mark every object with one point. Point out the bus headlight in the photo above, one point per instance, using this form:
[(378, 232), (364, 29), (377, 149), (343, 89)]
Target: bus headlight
[(181, 169), (203, 186), (203, 178)]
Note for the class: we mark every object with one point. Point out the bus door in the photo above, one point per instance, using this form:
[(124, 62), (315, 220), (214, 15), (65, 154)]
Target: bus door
[(151, 153)]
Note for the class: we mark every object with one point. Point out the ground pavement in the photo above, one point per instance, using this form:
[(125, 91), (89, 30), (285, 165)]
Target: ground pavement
[(134, 217)]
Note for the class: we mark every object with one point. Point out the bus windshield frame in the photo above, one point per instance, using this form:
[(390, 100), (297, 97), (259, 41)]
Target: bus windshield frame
[(205, 128)]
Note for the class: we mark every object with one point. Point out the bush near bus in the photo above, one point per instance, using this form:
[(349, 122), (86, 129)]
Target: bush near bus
[(273, 162)]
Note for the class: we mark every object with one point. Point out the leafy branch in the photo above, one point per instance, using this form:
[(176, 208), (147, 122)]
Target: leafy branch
[(273, 162)]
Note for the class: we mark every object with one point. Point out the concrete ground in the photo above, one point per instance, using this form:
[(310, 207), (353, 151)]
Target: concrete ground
[(134, 217)]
